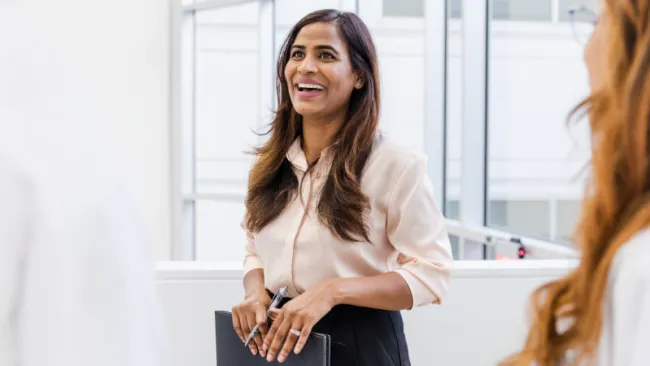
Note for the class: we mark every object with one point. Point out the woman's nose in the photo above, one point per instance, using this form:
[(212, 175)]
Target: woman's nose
[(307, 66)]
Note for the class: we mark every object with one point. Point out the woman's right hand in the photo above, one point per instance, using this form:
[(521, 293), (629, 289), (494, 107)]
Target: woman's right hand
[(247, 314)]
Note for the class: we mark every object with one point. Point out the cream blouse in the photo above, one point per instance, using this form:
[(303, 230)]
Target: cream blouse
[(407, 234)]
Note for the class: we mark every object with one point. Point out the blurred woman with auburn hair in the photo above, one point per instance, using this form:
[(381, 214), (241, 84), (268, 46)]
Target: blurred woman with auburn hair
[(600, 313)]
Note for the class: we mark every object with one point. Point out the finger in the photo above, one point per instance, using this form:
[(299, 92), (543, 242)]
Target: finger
[(271, 333), (290, 342), (278, 339), (253, 348), (262, 323), (255, 344), (274, 314), (246, 329), (257, 340), (304, 335), (259, 343), (237, 325)]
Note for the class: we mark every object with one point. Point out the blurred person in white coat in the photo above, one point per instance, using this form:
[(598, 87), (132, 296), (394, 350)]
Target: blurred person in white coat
[(76, 279)]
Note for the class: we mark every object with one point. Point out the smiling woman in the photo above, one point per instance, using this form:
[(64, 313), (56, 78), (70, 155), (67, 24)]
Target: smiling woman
[(339, 214)]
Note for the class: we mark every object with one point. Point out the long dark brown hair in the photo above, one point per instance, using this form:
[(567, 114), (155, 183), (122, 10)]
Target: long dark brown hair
[(272, 183), (617, 203)]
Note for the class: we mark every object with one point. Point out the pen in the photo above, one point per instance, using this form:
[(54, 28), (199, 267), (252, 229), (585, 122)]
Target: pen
[(274, 304)]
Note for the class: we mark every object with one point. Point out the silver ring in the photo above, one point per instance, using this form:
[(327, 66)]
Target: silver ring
[(295, 332)]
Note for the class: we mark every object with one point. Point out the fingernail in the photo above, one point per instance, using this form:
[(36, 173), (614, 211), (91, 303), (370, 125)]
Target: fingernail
[(281, 358), (269, 357), (263, 353), (254, 351), (265, 347)]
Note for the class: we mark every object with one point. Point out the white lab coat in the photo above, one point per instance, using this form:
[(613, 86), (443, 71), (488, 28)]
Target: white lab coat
[(76, 280)]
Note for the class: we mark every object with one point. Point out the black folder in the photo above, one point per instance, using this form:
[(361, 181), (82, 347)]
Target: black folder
[(232, 352)]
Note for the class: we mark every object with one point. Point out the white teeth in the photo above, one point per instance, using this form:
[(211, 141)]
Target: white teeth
[(310, 86)]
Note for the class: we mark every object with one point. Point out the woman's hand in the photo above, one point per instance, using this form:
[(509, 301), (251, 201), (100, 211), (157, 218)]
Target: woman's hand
[(295, 320), (246, 315)]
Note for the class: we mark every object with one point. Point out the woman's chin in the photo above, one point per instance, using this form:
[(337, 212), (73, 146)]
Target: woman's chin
[(307, 111)]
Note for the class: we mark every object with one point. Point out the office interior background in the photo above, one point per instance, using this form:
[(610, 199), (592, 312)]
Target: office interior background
[(486, 98), (484, 87)]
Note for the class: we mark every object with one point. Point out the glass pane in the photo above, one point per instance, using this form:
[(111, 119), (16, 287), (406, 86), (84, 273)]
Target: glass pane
[(400, 47), (535, 78), (566, 5), (455, 248), (452, 212), (226, 113), (289, 12), (526, 218), (218, 233), (454, 109), (539, 10), (455, 8), (403, 8), (566, 216), (226, 96)]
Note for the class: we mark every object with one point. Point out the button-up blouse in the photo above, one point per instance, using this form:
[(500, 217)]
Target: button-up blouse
[(407, 232)]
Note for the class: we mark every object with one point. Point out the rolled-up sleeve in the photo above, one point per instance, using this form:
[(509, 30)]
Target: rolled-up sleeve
[(417, 230), (251, 260)]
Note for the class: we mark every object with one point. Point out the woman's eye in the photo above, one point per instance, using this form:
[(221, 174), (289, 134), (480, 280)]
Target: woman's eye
[(297, 54), (327, 56)]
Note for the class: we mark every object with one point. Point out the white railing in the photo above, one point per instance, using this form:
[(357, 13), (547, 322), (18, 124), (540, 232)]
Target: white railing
[(508, 244)]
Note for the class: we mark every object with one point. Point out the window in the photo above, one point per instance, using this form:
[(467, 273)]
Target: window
[(229, 86), (403, 8), (452, 212), (289, 12), (566, 5), (535, 79), (455, 8), (490, 116), (567, 215), (526, 218), (522, 10), (400, 48), (226, 110)]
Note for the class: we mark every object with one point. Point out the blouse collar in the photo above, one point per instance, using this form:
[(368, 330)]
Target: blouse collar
[(297, 157)]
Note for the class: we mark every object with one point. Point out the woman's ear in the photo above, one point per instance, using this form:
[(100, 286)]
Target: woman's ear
[(359, 81)]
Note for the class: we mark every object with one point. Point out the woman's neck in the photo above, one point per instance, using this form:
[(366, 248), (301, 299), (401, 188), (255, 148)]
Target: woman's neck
[(316, 136)]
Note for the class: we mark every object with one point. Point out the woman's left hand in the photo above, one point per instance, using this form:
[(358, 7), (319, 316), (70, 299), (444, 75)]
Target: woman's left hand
[(295, 320)]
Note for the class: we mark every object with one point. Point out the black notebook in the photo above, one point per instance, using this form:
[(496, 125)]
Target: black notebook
[(232, 352)]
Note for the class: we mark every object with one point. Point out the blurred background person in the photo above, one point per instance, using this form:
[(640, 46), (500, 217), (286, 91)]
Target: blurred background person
[(76, 279), (600, 313)]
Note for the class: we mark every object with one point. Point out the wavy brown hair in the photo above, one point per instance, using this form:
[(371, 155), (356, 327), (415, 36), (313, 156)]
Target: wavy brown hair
[(272, 182), (616, 203)]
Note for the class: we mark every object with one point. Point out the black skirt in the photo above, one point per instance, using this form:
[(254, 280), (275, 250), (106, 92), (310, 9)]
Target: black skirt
[(364, 337)]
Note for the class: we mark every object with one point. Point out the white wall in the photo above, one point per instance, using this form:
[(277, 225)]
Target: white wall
[(483, 319), (120, 50)]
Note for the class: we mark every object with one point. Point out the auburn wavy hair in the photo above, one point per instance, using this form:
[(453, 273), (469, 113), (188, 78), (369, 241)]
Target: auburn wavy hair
[(272, 183), (616, 203)]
